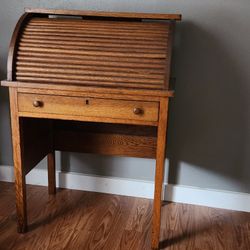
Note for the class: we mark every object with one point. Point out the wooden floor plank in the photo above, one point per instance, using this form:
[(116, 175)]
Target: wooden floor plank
[(84, 220)]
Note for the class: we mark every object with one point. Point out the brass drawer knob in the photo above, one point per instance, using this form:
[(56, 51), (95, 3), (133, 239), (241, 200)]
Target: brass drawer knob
[(138, 111), (37, 103)]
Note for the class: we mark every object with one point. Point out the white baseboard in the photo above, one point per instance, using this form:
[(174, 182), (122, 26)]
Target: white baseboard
[(136, 188), (208, 197), (77, 181)]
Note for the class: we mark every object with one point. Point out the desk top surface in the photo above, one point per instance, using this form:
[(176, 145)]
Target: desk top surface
[(155, 16)]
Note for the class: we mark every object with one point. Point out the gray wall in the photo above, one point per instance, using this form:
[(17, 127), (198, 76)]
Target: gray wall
[(209, 127)]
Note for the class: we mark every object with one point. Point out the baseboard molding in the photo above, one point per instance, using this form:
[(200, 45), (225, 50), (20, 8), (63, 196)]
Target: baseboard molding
[(208, 197), (136, 188), (77, 181)]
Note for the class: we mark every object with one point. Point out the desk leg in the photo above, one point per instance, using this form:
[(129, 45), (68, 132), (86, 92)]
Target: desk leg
[(51, 173), (159, 172), (20, 184)]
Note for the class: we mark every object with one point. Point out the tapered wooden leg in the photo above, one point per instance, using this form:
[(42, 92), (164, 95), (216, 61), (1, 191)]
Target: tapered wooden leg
[(18, 167), (159, 173), (51, 173), (20, 187)]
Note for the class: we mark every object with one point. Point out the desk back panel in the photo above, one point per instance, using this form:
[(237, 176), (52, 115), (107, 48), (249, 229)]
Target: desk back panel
[(106, 139)]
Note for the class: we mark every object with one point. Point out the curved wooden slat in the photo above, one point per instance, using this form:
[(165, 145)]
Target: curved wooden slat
[(53, 64), (92, 52), (81, 71), (72, 46), (105, 25), (109, 41), (89, 35), (97, 58), (92, 43), (51, 75), (60, 59), (96, 31), (101, 26)]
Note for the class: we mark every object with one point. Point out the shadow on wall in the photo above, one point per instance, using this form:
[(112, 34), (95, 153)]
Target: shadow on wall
[(208, 117), (105, 163)]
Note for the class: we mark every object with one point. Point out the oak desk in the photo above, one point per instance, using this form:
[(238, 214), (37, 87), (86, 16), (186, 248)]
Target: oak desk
[(95, 82)]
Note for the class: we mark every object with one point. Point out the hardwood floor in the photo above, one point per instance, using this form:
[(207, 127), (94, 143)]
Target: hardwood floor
[(83, 220)]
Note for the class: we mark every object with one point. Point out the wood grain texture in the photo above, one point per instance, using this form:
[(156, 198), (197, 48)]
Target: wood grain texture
[(159, 171), (106, 140), (87, 118), (84, 220), (20, 186), (51, 173), (105, 14), (121, 54), (51, 159), (86, 89), (88, 94), (168, 80), (92, 107)]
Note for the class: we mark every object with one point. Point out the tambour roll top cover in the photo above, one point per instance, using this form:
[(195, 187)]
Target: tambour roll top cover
[(100, 49)]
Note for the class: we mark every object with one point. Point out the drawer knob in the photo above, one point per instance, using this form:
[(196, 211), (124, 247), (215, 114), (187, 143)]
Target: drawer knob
[(37, 103), (138, 111)]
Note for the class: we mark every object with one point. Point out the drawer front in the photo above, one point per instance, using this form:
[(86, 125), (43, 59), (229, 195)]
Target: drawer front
[(91, 107)]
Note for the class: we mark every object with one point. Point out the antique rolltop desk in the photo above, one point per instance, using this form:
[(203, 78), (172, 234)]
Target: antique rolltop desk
[(95, 82)]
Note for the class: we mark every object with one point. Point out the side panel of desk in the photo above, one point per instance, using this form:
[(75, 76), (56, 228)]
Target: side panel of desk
[(32, 141)]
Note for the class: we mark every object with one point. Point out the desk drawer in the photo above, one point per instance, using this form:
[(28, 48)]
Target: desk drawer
[(91, 107)]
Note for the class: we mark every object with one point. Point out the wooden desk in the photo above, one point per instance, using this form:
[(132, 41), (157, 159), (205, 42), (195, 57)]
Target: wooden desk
[(98, 83)]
